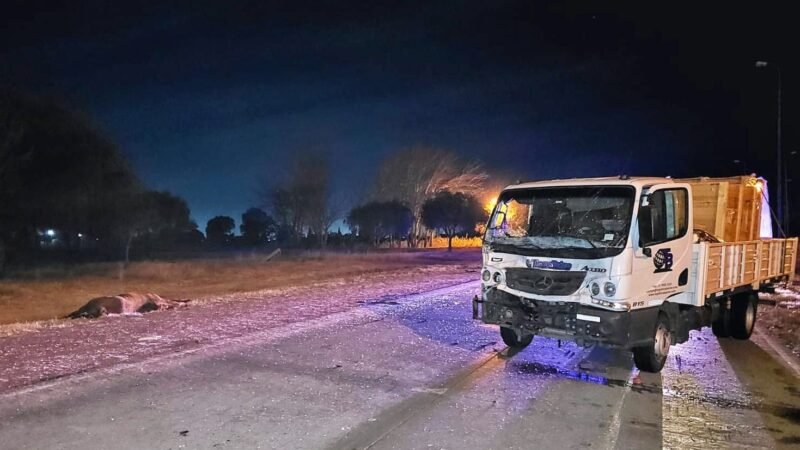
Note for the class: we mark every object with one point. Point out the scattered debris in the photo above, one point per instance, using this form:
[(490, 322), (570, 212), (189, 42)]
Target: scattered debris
[(783, 319), (184, 432)]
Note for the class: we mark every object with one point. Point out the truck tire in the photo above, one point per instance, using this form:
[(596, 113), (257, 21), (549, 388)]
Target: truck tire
[(510, 338), (722, 325), (743, 315), (651, 358)]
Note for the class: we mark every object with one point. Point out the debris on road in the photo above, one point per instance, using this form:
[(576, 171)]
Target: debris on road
[(783, 319)]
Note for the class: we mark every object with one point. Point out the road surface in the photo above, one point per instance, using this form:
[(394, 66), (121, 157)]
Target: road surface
[(412, 372)]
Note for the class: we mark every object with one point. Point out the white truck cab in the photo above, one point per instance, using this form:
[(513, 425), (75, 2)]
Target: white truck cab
[(612, 261)]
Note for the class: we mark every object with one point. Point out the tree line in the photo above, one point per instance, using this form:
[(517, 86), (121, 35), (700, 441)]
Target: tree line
[(59, 173), (418, 192), (64, 181)]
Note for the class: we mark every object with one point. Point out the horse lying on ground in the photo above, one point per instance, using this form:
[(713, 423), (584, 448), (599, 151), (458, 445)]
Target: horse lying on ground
[(124, 304)]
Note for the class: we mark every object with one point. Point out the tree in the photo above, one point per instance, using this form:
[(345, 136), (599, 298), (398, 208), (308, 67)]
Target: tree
[(219, 230), (58, 170), (377, 220), (302, 202), (452, 213), (151, 213), (414, 175), (257, 226)]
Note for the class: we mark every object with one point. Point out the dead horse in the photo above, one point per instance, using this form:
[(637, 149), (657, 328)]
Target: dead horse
[(132, 302)]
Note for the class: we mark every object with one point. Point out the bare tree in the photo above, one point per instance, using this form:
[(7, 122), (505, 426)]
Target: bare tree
[(415, 175), (302, 203)]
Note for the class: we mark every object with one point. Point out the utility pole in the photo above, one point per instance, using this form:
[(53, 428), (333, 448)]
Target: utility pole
[(782, 201)]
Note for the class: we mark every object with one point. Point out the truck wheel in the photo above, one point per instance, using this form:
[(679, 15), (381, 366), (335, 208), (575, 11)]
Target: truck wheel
[(651, 358), (743, 315), (722, 326), (510, 338)]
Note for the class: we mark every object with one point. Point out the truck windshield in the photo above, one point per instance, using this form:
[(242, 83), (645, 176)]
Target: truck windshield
[(566, 222)]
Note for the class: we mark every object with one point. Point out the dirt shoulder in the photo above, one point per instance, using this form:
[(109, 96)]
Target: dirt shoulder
[(782, 319), (54, 349), (54, 292)]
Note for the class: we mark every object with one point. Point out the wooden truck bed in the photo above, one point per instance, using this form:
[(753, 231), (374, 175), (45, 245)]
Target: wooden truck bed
[(724, 267), (728, 208)]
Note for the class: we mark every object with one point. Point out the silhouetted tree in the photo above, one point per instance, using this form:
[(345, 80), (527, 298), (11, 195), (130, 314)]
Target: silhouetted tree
[(151, 213), (219, 230), (302, 203), (257, 226), (57, 170), (452, 213), (378, 220), (414, 175)]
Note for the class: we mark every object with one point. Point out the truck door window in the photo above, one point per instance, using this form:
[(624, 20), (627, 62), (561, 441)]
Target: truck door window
[(663, 216)]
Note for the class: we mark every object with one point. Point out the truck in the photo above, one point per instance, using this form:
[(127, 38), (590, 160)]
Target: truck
[(632, 263)]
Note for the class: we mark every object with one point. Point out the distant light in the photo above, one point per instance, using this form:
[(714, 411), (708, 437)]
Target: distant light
[(489, 205), (80, 235), (759, 185), (51, 232), (760, 64)]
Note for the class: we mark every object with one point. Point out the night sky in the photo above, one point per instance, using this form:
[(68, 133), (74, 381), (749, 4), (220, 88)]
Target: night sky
[(210, 99)]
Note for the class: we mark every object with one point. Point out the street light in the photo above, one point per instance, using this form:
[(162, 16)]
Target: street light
[(781, 200)]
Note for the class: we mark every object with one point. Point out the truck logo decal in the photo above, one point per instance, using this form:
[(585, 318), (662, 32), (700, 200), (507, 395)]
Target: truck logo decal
[(544, 282), (593, 269), (553, 265), (663, 260)]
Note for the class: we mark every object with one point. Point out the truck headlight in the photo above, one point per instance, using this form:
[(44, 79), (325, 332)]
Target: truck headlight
[(609, 289), (486, 275), (498, 277)]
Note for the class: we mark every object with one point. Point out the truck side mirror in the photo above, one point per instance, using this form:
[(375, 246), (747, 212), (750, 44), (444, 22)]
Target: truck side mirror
[(647, 251)]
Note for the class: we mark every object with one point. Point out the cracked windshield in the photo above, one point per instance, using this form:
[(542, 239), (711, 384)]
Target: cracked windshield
[(590, 222)]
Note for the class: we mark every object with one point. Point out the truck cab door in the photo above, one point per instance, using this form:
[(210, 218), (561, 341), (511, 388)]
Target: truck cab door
[(662, 243)]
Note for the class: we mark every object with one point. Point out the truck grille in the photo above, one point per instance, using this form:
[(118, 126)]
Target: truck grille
[(544, 282)]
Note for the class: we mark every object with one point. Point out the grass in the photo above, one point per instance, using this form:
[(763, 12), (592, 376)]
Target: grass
[(53, 292)]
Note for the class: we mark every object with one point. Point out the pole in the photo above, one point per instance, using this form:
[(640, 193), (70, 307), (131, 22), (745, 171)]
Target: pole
[(779, 158)]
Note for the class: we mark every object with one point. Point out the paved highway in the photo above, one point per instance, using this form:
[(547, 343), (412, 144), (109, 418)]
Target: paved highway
[(413, 372)]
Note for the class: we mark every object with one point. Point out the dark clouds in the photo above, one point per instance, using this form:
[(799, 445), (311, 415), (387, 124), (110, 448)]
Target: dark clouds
[(209, 97)]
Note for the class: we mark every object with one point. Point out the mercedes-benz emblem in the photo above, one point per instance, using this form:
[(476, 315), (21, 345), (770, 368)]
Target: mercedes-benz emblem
[(544, 282)]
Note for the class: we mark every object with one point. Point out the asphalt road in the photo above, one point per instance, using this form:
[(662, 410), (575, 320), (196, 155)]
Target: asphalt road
[(413, 372)]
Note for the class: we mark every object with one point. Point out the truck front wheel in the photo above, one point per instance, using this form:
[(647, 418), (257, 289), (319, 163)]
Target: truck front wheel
[(651, 358), (743, 315), (510, 338)]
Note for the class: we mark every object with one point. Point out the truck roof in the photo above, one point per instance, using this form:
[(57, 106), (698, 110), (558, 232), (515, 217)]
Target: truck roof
[(622, 181)]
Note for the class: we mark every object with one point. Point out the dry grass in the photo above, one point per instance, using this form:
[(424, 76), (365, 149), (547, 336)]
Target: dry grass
[(51, 293)]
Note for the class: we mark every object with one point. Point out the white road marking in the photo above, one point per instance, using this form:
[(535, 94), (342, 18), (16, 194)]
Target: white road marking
[(612, 434)]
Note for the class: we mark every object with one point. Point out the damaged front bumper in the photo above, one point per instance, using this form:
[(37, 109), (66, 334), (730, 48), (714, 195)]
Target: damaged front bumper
[(566, 320)]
